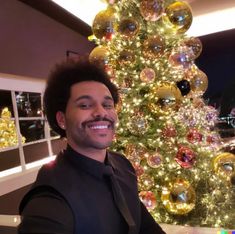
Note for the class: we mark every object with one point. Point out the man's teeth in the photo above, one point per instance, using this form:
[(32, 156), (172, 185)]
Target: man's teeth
[(99, 127)]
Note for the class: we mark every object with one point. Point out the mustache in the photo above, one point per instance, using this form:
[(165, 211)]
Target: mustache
[(111, 121)]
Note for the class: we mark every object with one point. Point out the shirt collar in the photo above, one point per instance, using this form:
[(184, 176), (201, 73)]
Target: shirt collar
[(89, 165)]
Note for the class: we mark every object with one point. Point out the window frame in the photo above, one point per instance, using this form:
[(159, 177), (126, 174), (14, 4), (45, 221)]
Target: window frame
[(15, 178)]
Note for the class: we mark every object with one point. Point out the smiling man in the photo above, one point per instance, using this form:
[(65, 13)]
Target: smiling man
[(87, 189)]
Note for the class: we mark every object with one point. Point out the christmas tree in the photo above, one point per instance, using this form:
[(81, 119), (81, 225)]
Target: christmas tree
[(8, 134), (165, 128)]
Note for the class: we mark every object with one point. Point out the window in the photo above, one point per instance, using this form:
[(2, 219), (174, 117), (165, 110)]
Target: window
[(26, 140)]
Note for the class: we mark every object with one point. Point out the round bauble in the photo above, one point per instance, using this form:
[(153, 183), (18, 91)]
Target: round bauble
[(151, 10), (128, 27), (99, 56), (154, 160), (165, 97), (184, 87), (126, 57), (178, 197), (153, 47), (147, 75), (224, 165), (194, 43), (149, 199), (178, 16), (104, 24), (185, 157), (199, 82)]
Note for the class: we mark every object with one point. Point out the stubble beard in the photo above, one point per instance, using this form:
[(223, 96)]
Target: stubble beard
[(85, 141)]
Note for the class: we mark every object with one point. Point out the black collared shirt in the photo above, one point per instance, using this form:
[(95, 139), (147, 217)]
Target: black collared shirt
[(46, 212)]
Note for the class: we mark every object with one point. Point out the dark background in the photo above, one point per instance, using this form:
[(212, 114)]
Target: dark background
[(217, 60)]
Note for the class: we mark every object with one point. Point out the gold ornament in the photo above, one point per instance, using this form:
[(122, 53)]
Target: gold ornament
[(126, 57), (128, 27), (178, 197), (147, 75), (199, 82), (224, 165), (149, 199), (135, 153), (146, 182), (178, 16), (104, 23), (165, 97), (138, 125), (99, 56), (153, 47), (151, 10)]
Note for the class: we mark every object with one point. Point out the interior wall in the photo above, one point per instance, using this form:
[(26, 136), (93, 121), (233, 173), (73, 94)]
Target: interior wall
[(9, 203), (31, 42)]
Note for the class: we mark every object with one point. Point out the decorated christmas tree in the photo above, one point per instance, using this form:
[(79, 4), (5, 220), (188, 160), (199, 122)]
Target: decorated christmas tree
[(165, 128), (8, 133)]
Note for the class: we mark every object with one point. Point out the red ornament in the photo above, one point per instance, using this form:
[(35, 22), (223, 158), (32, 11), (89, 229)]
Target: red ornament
[(149, 199), (194, 136), (109, 36), (169, 131), (185, 157), (138, 169)]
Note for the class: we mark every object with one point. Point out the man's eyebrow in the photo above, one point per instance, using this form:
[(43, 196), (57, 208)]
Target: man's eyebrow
[(108, 98), (83, 97), (89, 98)]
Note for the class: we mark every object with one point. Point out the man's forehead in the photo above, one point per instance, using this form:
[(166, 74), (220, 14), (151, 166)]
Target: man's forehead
[(90, 88)]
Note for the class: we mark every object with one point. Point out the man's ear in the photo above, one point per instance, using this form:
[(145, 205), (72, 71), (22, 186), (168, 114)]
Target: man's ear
[(60, 118)]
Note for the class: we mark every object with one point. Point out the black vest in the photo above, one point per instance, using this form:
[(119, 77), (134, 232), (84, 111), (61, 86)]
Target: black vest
[(86, 195)]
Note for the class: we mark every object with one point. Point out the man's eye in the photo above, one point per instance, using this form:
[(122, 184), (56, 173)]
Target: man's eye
[(84, 105), (108, 105)]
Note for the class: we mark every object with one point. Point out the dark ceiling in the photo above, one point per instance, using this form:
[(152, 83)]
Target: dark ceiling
[(59, 14)]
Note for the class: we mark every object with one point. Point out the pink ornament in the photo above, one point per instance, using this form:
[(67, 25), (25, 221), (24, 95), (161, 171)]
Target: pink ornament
[(212, 139), (181, 57), (154, 160), (147, 75), (148, 198), (151, 10)]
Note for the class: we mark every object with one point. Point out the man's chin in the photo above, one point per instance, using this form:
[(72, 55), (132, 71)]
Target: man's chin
[(101, 145)]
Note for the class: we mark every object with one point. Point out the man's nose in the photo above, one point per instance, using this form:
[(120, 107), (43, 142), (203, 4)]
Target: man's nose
[(99, 111)]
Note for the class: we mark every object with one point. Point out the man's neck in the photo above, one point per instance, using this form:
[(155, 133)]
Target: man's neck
[(96, 154)]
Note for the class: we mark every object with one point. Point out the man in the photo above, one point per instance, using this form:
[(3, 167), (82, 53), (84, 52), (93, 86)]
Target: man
[(86, 190)]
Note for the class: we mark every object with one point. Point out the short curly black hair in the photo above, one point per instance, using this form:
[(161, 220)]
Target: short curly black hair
[(61, 79)]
